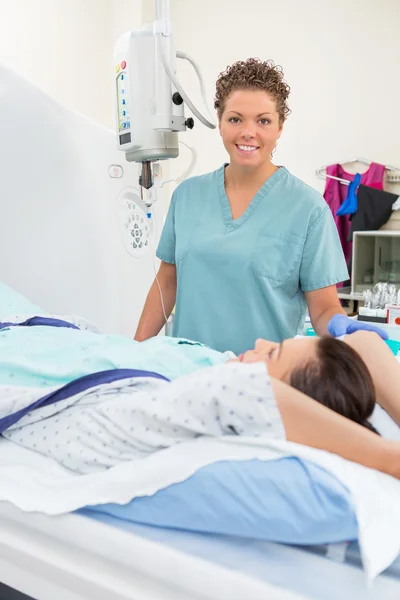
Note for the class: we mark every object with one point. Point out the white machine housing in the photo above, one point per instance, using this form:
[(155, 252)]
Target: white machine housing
[(150, 99), (146, 116)]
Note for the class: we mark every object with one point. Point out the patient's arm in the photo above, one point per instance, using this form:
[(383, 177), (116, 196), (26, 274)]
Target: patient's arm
[(310, 423), (384, 369)]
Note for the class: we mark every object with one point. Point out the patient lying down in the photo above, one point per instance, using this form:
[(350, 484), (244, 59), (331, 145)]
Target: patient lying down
[(317, 392)]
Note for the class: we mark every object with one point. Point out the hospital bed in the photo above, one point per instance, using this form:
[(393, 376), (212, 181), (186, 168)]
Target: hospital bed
[(67, 256), (90, 554)]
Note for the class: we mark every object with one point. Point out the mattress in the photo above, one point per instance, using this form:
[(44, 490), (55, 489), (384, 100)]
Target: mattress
[(318, 573), (76, 557), (73, 557)]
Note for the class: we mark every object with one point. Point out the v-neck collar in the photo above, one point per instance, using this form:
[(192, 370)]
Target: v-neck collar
[(230, 223)]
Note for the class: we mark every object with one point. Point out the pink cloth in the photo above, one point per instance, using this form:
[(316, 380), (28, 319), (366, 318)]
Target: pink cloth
[(335, 194)]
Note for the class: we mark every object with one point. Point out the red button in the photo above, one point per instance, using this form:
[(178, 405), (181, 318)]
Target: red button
[(123, 64)]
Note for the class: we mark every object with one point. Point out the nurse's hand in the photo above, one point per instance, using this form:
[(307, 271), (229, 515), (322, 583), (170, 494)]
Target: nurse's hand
[(341, 325)]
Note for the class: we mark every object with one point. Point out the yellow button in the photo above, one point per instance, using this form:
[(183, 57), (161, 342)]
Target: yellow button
[(117, 68)]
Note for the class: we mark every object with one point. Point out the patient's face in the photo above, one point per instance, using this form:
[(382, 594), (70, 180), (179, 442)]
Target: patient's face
[(282, 358)]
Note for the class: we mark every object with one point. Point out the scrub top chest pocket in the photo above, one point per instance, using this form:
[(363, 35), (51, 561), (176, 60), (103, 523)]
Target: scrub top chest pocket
[(278, 259)]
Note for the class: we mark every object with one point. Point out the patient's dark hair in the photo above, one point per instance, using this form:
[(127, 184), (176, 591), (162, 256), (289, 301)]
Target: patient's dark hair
[(339, 379)]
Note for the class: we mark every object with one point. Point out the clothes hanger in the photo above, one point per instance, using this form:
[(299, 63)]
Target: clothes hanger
[(321, 172)]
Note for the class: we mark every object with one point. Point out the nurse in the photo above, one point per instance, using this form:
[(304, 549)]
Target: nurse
[(248, 248)]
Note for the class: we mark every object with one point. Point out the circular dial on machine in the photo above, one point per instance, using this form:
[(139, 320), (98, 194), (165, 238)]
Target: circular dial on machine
[(134, 225)]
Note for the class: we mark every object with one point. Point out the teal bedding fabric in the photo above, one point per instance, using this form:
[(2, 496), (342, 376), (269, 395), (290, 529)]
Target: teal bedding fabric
[(52, 356)]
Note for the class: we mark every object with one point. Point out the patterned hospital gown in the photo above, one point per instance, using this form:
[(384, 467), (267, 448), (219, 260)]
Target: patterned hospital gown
[(129, 420)]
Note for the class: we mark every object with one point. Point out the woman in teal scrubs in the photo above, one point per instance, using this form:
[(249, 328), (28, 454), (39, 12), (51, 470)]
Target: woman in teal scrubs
[(248, 248)]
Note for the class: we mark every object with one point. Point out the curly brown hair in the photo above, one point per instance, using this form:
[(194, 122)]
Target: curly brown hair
[(253, 74)]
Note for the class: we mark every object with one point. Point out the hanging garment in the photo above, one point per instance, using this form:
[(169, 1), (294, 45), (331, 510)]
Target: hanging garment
[(335, 194), (374, 209)]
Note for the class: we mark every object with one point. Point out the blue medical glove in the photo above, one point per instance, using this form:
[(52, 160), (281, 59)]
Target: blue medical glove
[(341, 325)]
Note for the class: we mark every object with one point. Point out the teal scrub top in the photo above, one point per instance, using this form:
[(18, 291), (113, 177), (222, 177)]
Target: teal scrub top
[(243, 279)]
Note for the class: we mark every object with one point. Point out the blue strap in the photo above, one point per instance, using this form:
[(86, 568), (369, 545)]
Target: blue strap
[(40, 322), (75, 387), (350, 204)]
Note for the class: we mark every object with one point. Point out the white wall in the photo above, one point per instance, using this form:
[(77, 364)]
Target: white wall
[(65, 47), (341, 58)]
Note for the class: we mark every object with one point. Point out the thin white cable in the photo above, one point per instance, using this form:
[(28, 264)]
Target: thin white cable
[(190, 168), (153, 235), (178, 86), (184, 56), (192, 165)]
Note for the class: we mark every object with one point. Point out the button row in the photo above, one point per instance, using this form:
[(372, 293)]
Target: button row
[(121, 65)]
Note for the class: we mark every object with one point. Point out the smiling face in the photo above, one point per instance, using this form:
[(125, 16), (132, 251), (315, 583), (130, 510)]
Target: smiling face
[(250, 127), (284, 358)]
